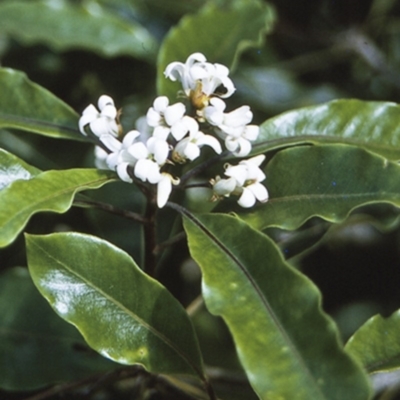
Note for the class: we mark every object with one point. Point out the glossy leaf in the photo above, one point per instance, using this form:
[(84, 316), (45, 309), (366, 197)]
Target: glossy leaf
[(123, 314), (325, 181), (287, 345), (372, 125), (37, 348), (376, 344), (49, 191), (29, 107), (220, 33), (64, 26), (13, 168)]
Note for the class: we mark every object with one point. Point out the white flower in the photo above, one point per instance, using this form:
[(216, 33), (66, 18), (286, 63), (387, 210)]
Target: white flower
[(224, 187), (100, 156), (196, 72), (150, 158), (232, 127), (166, 119), (120, 157), (244, 180), (189, 147), (103, 122)]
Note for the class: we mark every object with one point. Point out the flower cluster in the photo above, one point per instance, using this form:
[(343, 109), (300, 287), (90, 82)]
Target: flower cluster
[(243, 180), (175, 134)]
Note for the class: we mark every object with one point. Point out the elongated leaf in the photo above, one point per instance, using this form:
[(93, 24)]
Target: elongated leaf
[(13, 168), (122, 313), (29, 107), (376, 344), (49, 191), (36, 347), (63, 26), (326, 181), (221, 34), (369, 124), (287, 345)]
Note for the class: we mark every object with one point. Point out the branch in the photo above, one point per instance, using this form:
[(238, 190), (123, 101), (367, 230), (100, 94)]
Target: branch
[(111, 209)]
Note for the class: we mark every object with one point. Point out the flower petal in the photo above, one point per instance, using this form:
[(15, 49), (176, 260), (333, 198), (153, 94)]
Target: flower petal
[(174, 113), (192, 151), (147, 170), (109, 111), (244, 148), (251, 132), (111, 143), (153, 117), (159, 148), (138, 150), (103, 126), (105, 100), (164, 188), (160, 104), (122, 171), (247, 199), (239, 172), (130, 138), (211, 141), (260, 192), (224, 187)]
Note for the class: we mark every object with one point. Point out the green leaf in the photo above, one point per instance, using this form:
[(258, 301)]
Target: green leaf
[(49, 191), (287, 345), (29, 107), (376, 344), (221, 34), (372, 125), (13, 168), (122, 313), (64, 26), (328, 181), (36, 347)]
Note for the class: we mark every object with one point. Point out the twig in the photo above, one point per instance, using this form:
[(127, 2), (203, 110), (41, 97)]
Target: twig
[(201, 167), (174, 239), (111, 209), (195, 305), (150, 235)]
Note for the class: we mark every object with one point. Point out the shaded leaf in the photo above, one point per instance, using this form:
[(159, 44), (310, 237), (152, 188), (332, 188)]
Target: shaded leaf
[(376, 344), (287, 345), (29, 107), (13, 168), (37, 348), (64, 26), (220, 33), (369, 124), (327, 181), (49, 191), (123, 314), (285, 92)]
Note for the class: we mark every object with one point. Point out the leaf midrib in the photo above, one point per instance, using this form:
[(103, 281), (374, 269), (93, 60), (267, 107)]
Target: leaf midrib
[(18, 120)]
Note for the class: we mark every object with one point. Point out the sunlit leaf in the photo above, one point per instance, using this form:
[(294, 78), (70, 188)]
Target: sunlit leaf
[(64, 26), (287, 345), (372, 125), (325, 181), (220, 33), (123, 314), (376, 344), (49, 191), (27, 106), (37, 348), (13, 168)]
